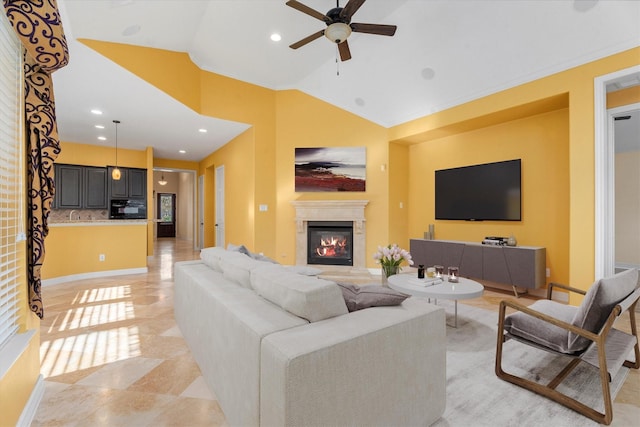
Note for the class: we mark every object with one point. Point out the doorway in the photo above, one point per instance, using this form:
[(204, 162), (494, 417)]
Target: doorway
[(166, 215), (604, 171)]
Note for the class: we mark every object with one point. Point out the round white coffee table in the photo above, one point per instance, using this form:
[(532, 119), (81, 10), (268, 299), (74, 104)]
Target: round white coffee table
[(464, 289)]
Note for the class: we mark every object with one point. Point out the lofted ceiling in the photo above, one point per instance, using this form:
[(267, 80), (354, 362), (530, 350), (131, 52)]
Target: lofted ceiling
[(444, 53)]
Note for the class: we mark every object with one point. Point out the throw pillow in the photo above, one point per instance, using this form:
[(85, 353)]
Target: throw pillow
[(359, 297)]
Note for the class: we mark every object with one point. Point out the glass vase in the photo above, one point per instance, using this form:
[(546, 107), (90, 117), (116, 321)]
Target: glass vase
[(389, 270)]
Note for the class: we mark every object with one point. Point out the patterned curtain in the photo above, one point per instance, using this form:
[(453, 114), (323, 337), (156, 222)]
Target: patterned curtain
[(37, 23)]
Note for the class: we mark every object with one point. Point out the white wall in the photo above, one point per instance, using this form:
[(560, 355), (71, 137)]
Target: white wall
[(627, 209)]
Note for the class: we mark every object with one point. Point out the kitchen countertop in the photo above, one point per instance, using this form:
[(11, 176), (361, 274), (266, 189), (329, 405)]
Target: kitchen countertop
[(98, 223)]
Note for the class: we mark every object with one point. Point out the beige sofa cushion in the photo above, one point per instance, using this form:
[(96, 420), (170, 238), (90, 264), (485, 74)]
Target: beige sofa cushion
[(237, 267), (211, 257), (307, 297)]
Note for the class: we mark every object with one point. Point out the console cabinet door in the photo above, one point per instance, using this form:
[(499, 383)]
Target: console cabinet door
[(95, 188), (68, 180)]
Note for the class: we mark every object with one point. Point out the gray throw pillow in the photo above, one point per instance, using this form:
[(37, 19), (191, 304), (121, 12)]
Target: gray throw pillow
[(235, 248), (359, 297)]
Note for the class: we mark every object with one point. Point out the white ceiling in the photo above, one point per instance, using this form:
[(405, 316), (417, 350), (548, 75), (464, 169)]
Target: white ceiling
[(444, 53)]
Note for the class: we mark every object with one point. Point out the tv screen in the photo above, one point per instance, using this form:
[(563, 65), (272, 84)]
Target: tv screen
[(489, 191)]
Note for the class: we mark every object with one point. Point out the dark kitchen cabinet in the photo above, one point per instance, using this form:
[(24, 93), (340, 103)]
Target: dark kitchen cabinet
[(118, 189), (131, 185), (95, 188), (68, 186), (137, 184)]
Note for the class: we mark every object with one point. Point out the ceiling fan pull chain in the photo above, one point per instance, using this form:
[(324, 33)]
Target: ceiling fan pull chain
[(337, 61)]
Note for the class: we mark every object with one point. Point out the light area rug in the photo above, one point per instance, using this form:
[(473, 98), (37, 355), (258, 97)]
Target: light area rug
[(477, 397)]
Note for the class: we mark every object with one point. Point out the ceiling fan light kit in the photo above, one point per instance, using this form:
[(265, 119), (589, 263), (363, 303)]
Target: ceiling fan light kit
[(337, 32), (339, 26)]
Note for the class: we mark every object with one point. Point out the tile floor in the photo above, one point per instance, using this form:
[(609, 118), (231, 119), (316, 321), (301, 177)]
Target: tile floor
[(112, 354)]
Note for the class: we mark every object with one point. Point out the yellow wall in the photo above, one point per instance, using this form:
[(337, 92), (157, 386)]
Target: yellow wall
[(95, 155), (76, 249), (283, 120), (238, 160), (17, 384), (542, 143), (576, 88), (304, 121), (399, 206)]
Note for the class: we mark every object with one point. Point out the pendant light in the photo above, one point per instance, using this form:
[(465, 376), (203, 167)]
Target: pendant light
[(115, 173), (162, 181)]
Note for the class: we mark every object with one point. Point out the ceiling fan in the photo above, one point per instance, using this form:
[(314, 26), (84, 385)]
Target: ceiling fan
[(339, 25)]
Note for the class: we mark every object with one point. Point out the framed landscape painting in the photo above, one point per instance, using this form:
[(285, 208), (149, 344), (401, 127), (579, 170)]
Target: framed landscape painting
[(330, 169)]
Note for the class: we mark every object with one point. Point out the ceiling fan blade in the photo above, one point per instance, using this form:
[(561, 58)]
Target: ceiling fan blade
[(351, 8), (307, 39), (380, 29), (345, 53), (309, 11)]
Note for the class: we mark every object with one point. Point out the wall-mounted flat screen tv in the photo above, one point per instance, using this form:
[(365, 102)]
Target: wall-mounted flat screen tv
[(486, 192)]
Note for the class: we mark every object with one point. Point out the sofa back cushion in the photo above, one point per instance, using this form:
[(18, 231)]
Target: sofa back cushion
[(237, 267), (311, 298), (211, 257)]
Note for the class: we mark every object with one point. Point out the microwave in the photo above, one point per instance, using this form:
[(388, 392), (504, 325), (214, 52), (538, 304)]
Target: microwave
[(128, 209)]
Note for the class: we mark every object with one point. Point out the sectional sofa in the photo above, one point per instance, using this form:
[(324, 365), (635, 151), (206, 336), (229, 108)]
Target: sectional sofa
[(279, 348)]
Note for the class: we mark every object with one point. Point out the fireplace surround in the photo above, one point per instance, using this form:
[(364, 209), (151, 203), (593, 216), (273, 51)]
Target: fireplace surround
[(331, 210)]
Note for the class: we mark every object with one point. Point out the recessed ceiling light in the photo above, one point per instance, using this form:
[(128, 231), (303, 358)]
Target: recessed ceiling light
[(96, 112), (131, 30), (181, 151), (276, 37), (360, 102), (99, 127), (202, 130), (428, 73), (102, 138)]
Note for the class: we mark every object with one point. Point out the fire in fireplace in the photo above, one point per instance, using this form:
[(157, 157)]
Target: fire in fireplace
[(330, 242)]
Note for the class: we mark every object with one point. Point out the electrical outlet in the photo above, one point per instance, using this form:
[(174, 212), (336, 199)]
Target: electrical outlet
[(101, 257), (548, 272)]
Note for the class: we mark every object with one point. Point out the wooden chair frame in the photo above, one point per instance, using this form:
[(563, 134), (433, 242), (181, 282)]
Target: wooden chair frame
[(598, 340)]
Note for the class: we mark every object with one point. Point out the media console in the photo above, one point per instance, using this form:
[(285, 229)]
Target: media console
[(517, 266)]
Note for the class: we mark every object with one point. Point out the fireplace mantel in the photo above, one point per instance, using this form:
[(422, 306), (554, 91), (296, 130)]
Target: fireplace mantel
[(331, 210)]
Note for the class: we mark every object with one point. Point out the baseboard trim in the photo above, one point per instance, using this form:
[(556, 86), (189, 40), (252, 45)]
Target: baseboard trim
[(29, 411), (93, 275)]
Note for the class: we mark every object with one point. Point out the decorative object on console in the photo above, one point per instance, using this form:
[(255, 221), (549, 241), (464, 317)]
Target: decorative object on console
[(511, 241), (330, 169), (453, 274), (495, 240), (390, 258), (421, 271), (439, 270)]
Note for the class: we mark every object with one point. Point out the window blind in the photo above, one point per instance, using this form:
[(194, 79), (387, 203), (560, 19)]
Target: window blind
[(11, 180)]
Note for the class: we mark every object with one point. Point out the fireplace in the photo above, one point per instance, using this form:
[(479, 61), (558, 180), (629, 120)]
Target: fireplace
[(345, 211), (330, 242)]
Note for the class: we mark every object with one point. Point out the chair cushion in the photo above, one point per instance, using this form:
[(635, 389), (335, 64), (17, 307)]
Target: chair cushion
[(359, 297), (540, 332), (591, 315)]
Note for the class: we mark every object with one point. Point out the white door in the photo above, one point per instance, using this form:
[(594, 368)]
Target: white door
[(200, 212), (220, 206)]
